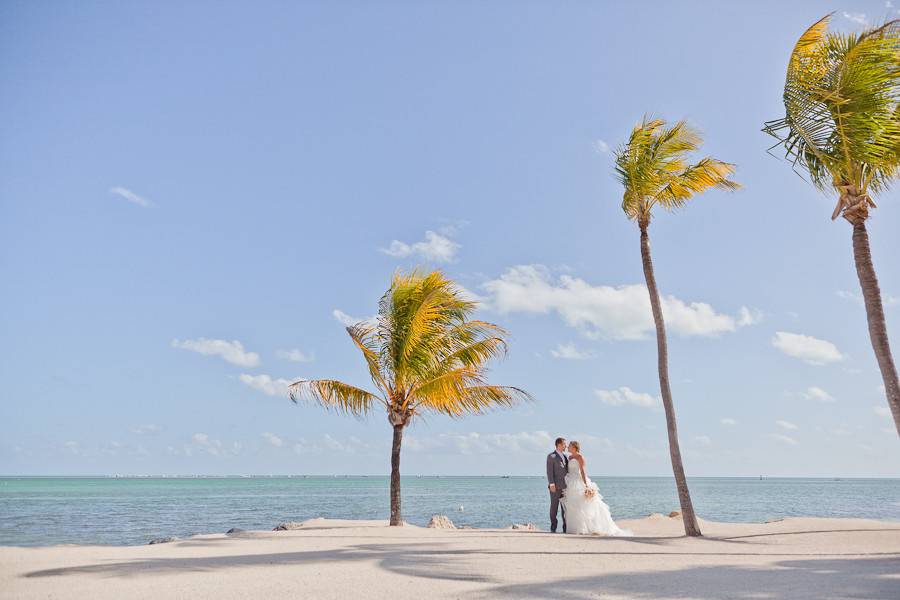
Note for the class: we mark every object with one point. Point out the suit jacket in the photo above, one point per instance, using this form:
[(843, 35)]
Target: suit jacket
[(556, 470)]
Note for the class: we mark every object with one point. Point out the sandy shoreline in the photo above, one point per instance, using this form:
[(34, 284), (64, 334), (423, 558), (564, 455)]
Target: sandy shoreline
[(790, 559)]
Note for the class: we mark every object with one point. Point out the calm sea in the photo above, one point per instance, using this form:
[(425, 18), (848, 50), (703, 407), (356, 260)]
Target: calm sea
[(80, 510)]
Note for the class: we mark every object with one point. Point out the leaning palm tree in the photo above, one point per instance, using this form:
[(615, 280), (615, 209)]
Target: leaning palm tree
[(424, 354), (842, 125), (654, 169)]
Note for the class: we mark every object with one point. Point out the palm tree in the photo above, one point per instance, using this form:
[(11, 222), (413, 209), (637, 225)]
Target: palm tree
[(424, 354), (842, 125), (653, 168)]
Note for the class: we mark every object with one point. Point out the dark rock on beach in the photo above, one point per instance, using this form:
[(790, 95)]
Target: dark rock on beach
[(162, 540)]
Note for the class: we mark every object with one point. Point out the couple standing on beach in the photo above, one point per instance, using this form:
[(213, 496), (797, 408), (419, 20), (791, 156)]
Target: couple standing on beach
[(583, 510)]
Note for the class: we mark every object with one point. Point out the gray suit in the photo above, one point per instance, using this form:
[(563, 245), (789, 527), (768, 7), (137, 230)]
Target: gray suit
[(557, 467)]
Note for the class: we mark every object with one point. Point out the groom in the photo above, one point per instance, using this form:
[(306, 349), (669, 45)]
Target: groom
[(557, 467)]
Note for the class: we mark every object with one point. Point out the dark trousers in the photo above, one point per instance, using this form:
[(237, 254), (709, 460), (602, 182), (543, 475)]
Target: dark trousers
[(555, 507)]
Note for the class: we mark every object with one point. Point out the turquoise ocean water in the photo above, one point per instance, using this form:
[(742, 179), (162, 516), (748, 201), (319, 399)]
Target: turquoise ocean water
[(85, 510)]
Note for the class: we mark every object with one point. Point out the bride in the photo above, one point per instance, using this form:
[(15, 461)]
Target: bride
[(585, 511)]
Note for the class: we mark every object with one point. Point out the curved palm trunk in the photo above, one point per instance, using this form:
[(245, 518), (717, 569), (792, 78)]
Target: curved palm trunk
[(691, 527), (868, 281), (396, 516)]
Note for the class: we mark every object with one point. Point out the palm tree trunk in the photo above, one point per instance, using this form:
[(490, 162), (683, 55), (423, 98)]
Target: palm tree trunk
[(396, 516), (868, 281), (691, 527)]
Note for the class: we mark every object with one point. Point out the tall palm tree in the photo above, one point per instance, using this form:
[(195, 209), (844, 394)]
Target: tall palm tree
[(653, 168), (842, 125), (424, 354)]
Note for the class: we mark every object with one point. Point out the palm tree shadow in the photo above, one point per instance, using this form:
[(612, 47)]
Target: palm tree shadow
[(872, 577), (414, 560), (816, 579)]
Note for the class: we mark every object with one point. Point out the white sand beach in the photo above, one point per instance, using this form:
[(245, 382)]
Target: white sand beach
[(792, 559)]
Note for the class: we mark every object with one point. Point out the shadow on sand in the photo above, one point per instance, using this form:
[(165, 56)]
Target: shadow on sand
[(873, 576)]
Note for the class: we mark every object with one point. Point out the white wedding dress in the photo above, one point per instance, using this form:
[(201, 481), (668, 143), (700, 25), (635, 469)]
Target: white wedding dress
[(585, 516)]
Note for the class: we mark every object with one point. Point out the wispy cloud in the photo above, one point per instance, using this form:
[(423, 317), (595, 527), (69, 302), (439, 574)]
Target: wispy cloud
[(349, 320), (202, 442), (601, 146), (786, 424), (625, 395), (130, 196), (809, 349), (435, 247), (728, 421), (599, 311), (266, 384), (784, 439), (817, 393), (484, 443), (882, 411), (570, 352), (295, 355), (858, 18), (148, 429), (232, 352), (273, 439), (886, 299), (703, 440)]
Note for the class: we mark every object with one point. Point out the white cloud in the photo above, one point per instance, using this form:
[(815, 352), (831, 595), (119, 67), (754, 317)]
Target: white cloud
[(330, 444), (570, 352), (811, 350), (886, 299), (349, 320), (748, 316), (130, 196), (232, 352), (625, 395), (845, 295), (786, 424), (618, 313), (858, 18), (267, 385), (203, 443), (295, 355), (728, 421), (601, 146), (434, 247), (147, 429), (785, 439), (703, 440), (273, 439), (882, 411), (485, 443), (817, 393)]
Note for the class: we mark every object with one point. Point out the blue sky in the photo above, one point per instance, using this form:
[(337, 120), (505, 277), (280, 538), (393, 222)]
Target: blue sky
[(193, 196)]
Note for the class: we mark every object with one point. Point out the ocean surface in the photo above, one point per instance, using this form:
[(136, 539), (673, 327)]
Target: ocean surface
[(37, 511)]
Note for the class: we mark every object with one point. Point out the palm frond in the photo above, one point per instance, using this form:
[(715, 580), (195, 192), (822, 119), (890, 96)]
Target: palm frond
[(841, 94), (334, 395), (364, 336), (653, 168), (424, 353), (480, 399)]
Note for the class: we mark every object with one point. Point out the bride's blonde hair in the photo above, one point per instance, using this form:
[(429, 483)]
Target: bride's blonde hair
[(576, 445)]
